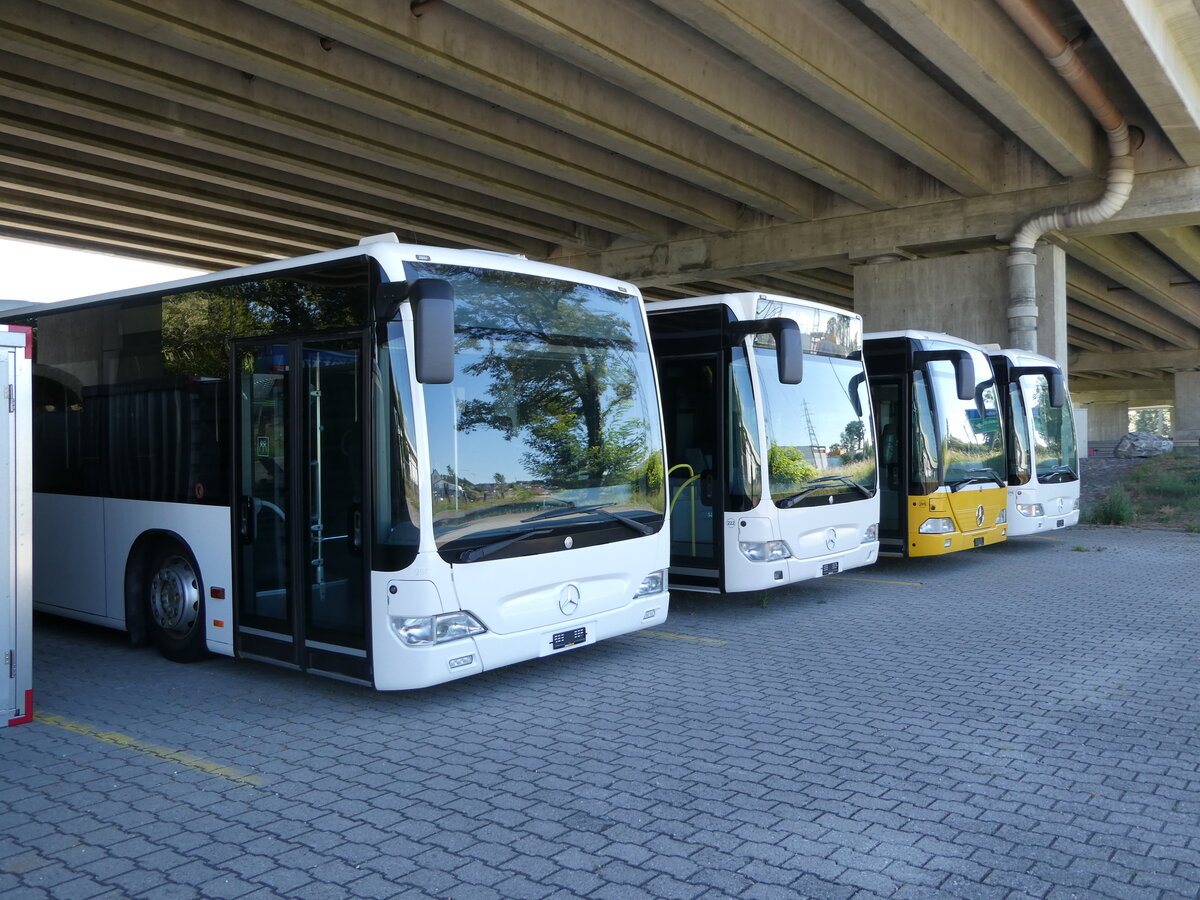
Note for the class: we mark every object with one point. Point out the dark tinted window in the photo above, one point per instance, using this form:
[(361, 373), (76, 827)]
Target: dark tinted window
[(132, 398)]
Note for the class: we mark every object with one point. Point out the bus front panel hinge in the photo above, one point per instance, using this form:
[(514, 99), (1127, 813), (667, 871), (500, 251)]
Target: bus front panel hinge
[(11, 394), (10, 663)]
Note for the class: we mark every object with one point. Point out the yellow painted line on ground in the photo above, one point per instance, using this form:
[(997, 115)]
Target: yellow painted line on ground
[(175, 756), (683, 637), (1039, 537), (874, 580)]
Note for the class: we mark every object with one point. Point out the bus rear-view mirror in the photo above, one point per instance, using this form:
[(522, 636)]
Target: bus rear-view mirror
[(964, 368), (432, 302), (789, 344)]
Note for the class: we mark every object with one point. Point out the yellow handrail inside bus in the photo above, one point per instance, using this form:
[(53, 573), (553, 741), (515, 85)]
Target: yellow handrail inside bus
[(689, 482)]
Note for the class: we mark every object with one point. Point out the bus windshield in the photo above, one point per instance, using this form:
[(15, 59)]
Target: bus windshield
[(1054, 453), (971, 439), (551, 422), (820, 444)]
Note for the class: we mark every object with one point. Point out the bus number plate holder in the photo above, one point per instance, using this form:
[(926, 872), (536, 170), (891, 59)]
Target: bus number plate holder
[(829, 569), (564, 639), (1060, 523)]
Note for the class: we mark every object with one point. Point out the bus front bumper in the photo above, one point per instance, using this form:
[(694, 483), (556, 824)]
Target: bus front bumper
[(744, 575), (1019, 525), (938, 544), (403, 667)]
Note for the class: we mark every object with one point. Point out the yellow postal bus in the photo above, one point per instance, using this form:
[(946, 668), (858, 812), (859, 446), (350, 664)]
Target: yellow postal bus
[(942, 485)]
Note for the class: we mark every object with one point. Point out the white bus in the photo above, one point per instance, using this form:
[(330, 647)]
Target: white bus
[(770, 449), (1039, 424), (391, 464)]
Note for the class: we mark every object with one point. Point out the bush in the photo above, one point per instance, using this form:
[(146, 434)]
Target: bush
[(1114, 508)]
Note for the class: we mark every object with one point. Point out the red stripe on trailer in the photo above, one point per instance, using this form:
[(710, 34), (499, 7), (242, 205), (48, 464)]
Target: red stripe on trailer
[(28, 338), (28, 717)]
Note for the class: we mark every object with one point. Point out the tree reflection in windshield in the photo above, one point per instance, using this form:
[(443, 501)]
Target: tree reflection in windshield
[(814, 431), (552, 405), (1053, 429)]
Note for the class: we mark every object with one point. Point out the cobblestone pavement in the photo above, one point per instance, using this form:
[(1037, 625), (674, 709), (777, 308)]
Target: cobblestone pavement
[(1020, 721)]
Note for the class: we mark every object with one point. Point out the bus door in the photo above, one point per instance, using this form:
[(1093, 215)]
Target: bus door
[(887, 395), (299, 520), (689, 349)]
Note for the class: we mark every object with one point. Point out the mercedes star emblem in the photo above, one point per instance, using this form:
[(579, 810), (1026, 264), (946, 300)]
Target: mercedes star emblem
[(568, 600)]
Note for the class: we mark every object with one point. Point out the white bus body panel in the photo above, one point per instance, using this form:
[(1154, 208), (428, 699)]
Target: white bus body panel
[(823, 540), (1060, 505), (16, 560), (75, 572), (518, 600)]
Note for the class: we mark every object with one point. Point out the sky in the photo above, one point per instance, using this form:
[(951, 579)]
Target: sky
[(39, 272)]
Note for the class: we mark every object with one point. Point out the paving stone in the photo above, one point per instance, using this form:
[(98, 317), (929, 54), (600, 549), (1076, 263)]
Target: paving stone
[(926, 741)]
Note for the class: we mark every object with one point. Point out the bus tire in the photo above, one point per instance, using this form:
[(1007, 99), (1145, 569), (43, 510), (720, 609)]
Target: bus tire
[(175, 603)]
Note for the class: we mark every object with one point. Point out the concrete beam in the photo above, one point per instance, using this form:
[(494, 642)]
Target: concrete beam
[(1091, 289), (358, 197), (63, 199), (824, 52), (641, 49), (1180, 245), (137, 114), (1124, 259), (66, 231), (1078, 341), (101, 65), (471, 55), (38, 235), (1166, 198), (980, 50), (136, 187), (1130, 360), (1091, 320), (1127, 392), (1157, 47)]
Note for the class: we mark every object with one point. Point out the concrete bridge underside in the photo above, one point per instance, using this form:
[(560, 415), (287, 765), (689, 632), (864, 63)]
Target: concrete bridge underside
[(690, 146)]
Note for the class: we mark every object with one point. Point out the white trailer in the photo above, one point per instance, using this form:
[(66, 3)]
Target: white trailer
[(16, 513)]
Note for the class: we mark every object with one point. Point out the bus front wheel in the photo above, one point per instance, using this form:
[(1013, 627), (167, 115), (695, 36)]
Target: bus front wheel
[(176, 603)]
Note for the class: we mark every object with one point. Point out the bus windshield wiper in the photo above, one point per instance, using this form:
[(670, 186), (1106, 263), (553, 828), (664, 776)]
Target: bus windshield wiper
[(817, 483), (975, 476), (639, 527), (1062, 471), (480, 552)]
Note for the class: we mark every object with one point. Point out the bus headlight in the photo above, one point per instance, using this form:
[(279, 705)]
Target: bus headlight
[(870, 534), (652, 583), (764, 551), (1002, 517), (1030, 509), (418, 630), (936, 526)]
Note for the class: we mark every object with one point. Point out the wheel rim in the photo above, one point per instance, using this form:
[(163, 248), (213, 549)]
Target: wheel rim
[(175, 596)]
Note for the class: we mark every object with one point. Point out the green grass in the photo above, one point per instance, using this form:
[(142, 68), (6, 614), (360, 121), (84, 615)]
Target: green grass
[(1163, 492)]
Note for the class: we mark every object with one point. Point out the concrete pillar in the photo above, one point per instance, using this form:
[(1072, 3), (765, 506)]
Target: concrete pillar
[(1187, 406), (965, 295), (1108, 421)]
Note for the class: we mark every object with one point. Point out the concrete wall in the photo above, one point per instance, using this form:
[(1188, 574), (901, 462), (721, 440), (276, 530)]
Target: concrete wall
[(1187, 406), (964, 295), (1108, 421)]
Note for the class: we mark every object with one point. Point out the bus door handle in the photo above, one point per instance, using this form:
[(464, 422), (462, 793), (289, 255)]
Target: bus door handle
[(246, 519), (356, 537)]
